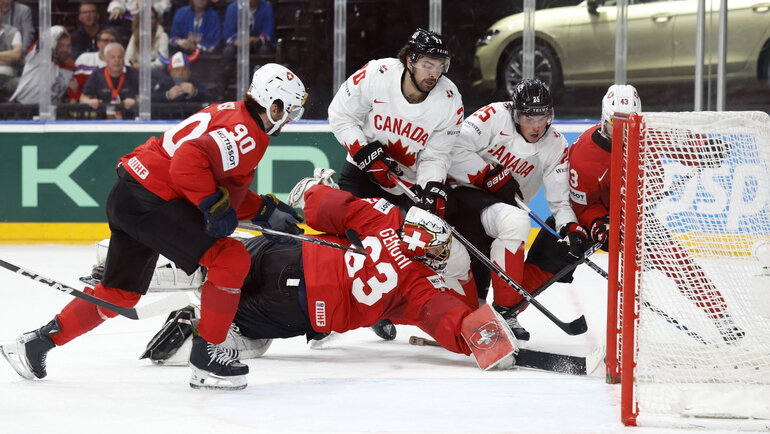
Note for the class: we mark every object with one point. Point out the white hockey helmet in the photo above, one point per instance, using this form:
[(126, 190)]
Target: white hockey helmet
[(426, 238), (620, 98), (274, 82)]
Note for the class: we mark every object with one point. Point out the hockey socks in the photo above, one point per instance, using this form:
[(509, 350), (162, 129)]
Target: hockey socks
[(512, 262), (218, 306), (79, 316)]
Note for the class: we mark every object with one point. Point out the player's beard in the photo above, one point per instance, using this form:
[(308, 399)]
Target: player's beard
[(427, 85)]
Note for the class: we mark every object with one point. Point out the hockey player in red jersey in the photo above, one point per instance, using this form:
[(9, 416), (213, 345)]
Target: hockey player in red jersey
[(311, 289), (181, 195), (509, 150), (589, 180), (399, 115)]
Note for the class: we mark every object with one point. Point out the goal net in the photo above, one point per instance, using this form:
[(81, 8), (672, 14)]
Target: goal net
[(688, 331)]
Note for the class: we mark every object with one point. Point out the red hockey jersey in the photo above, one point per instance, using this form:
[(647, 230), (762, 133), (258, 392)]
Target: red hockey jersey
[(220, 145), (589, 176), (346, 291)]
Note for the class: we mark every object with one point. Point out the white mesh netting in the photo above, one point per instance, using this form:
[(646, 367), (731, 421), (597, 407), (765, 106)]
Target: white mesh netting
[(703, 337)]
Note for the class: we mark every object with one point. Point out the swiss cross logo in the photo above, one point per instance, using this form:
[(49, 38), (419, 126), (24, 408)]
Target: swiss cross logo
[(289, 75), (413, 241), (486, 336)]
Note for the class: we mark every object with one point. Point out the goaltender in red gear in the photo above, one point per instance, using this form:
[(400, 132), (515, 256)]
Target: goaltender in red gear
[(313, 290), (181, 195)]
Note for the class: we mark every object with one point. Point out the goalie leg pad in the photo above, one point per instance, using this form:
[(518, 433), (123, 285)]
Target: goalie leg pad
[(491, 341)]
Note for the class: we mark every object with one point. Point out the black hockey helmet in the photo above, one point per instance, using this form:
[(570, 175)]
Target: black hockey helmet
[(426, 43), (531, 97)]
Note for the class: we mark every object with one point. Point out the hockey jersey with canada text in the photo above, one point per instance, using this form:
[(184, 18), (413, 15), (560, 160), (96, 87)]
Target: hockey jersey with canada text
[(489, 137), (220, 145), (346, 290), (370, 106)]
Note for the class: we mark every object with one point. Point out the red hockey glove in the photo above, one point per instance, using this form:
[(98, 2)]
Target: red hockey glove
[(500, 182), (276, 215), (574, 239), (434, 198), (600, 232), (373, 159), (220, 218)]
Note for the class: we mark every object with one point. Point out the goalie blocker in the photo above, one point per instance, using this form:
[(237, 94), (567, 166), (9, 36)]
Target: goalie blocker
[(490, 339)]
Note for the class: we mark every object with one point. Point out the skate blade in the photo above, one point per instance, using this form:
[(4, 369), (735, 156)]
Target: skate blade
[(200, 379), (17, 362)]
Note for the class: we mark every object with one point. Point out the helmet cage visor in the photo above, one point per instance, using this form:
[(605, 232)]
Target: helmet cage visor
[(430, 64)]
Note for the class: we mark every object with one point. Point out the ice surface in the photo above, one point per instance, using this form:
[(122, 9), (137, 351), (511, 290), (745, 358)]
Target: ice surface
[(354, 383)]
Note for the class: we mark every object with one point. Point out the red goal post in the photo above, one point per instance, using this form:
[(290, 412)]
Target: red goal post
[(688, 316)]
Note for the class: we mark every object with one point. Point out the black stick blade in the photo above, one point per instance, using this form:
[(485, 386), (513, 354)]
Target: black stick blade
[(355, 240), (578, 327)]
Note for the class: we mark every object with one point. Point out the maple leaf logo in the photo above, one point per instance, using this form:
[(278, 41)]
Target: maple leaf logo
[(401, 153)]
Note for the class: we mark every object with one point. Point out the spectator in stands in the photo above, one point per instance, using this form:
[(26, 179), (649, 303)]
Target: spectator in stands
[(159, 44), (84, 37), (36, 75), (261, 27), (115, 84), (121, 14), (176, 85), (195, 26), (19, 16), (89, 62), (10, 53), (127, 9)]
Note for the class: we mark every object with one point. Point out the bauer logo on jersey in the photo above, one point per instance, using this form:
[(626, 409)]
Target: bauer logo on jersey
[(486, 336), (320, 313), (577, 196), (383, 206), (227, 147)]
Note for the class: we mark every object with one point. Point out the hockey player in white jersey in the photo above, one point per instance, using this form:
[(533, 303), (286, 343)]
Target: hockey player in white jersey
[(399, 115), (508, 150)]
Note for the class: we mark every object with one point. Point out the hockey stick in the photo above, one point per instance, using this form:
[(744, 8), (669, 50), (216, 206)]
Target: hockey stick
[(671, 320), (575, 327), (562, 363), (160, 307), (545, 226), (555, 278), (354, 248)]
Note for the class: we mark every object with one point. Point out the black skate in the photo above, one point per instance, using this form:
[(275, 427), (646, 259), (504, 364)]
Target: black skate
[(384, 329), (520, 332), (27, 356), (215, 368)]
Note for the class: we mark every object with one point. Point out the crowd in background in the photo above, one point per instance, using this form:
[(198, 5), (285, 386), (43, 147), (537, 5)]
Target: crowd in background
[(96, 60)]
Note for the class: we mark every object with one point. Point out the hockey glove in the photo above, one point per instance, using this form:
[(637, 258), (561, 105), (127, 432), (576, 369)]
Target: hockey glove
[(276, 215), (220, 218), (500, 182), (600, 232), (434, 197), (573, 239), (373, 159)]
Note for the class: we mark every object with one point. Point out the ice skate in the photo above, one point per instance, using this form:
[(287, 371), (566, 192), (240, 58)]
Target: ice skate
[(27, 356), (321, 176), (384, 329), (520, 332), (731, 333), (214, 368), (241, 347)]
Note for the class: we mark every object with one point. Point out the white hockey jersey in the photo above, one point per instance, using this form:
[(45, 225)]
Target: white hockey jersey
[(489, 136), (371, 107)]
